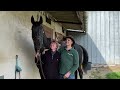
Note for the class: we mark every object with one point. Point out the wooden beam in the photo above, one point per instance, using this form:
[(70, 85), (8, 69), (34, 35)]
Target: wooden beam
[(69, 22)]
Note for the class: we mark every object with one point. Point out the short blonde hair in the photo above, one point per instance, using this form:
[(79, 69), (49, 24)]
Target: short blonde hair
[(54, 41)]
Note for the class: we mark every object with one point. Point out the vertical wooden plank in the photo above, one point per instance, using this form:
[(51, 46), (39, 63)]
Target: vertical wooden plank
[(107, 34), (116, 30), (104, 56), (119, 36), (98, 37), (111, 38), (102, 39), (114, 36), (93, 36), (94, 40), (89, 35)]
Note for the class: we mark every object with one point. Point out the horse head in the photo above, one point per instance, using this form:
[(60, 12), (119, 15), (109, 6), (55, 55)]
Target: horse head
[(37, 33)]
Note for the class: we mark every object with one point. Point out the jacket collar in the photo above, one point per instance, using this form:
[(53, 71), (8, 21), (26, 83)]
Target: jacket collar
[(68, 50)]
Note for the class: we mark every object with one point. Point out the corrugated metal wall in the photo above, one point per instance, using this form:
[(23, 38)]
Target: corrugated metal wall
[(102, 40)]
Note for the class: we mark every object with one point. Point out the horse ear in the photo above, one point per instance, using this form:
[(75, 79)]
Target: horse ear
[(32, 20), (41, 20)]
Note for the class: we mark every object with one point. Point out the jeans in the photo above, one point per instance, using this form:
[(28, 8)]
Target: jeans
[(70, 77)]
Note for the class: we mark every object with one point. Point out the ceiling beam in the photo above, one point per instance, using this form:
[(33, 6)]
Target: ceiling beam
[(69, 22)]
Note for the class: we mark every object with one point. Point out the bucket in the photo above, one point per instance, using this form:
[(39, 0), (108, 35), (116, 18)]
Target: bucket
[(2, 77), (89, 66)]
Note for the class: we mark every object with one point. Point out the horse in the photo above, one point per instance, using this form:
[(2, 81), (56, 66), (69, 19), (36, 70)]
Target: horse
[(83, 60), (41, 42)]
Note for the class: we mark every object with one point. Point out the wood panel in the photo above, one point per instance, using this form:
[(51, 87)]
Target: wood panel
[(48, 32)]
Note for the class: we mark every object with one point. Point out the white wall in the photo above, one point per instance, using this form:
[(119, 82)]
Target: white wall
[(15, 39), (102, 39)]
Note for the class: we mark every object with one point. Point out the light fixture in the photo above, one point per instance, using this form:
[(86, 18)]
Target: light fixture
[(74, 30)]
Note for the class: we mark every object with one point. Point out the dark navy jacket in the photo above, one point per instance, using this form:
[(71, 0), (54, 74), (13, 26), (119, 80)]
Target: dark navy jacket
[(51, 65)]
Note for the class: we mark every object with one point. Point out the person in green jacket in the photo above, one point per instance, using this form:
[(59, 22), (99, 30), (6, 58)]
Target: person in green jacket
[(69, 60)]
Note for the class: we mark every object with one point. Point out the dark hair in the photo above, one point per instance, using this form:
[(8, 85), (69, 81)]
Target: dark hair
[(63, 39), (71, 39)]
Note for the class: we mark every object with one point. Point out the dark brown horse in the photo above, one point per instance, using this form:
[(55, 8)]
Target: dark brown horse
[(41, 42)]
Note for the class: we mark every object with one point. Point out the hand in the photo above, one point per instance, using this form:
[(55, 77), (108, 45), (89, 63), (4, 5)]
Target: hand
[(45, 51), (66, 75), (37, 54)]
